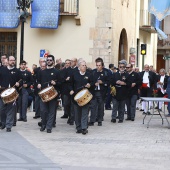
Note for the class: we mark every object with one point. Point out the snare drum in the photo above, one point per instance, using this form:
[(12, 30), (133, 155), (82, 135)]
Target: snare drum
[(83, 97), (48, 94), (9, 95)]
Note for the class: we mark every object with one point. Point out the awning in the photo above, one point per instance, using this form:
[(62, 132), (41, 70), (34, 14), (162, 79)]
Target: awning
[(160, 8), (9, 15)]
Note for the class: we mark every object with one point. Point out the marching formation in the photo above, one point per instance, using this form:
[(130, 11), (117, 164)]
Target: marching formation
[(85, 93)]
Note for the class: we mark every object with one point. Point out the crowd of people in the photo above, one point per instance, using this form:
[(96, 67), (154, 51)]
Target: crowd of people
[(85, 93)]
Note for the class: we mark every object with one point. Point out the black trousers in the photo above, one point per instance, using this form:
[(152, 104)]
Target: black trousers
[(48, 111)]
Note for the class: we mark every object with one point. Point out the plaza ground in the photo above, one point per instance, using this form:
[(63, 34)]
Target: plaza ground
[(118, 146)]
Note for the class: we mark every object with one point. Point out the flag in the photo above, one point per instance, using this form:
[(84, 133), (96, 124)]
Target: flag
[(9, 15), (160, 8), (45, 14)]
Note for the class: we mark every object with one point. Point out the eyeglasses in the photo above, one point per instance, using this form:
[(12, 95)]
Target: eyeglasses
[(127, 67), (121, 66), (49, 60)]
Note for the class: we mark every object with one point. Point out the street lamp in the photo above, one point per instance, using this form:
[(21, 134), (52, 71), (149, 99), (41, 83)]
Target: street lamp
[(23, 5)]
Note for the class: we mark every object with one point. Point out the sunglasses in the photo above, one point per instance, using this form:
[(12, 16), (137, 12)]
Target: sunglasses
[(49, 60)]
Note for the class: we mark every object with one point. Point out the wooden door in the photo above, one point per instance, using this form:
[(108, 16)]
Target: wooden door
[(160, 63)]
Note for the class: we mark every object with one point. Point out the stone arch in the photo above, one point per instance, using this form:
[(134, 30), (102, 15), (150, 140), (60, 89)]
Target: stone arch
[(123, 46)]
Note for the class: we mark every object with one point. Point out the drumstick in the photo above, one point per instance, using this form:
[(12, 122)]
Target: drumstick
[(18, 82), (80, 87), (49, 81)]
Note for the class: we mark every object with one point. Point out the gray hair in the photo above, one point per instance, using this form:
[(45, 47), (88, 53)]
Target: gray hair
[(123, 62)]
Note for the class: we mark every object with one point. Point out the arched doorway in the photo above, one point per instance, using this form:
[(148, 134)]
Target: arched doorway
[(123, 45)]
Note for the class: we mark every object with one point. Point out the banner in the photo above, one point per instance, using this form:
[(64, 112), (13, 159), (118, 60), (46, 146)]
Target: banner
[(45, 14), (160, 8), (9, 15)]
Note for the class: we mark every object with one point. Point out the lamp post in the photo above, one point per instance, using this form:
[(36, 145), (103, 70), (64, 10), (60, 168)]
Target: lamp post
[(23, 5)]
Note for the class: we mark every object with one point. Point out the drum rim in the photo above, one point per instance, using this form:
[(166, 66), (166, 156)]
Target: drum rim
[(45, 88), (7, 89)]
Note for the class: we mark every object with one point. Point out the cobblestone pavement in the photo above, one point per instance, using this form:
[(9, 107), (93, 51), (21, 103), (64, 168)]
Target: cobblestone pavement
[(120, 146)]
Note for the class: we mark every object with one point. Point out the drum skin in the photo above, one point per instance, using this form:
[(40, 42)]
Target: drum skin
[(83, 97), (9, 97), (48, 94)]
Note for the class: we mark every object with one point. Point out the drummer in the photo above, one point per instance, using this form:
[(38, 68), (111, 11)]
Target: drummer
[(9, 77), (81, 79), (48, 77)]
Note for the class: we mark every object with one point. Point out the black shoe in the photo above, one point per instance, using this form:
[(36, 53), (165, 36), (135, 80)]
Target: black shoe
[(24, 120), (40, 124), (48, 130), (99, 123), (68, 121), (132, 119), (120, 121), (144, 113), (20, 119), (42, 128), (148, 113), (91, 124), (79, 131), (36, 117), (3, 127), (71, 123), (8, 129), (113, 120), (84, 131), (64, 117), (141, 110), (128, 119)]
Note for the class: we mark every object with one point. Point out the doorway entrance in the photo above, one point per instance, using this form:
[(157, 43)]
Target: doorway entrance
[(123, 46)]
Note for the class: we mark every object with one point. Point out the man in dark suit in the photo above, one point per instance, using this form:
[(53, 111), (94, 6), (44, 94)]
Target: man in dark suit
[(101, 80), (9, 77), (42, 66), (133, 92), (149, 80), (109, 96), (25, 91), (122, 84)]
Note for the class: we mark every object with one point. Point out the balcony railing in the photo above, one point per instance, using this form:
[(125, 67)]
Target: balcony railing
[(164, 43), (69, 7)]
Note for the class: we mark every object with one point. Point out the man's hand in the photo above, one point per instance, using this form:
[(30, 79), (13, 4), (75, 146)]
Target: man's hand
[(87, 85), (71, 92), (17, 84), (53, 82), (68, 78), (133, 84), (39, 86)]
